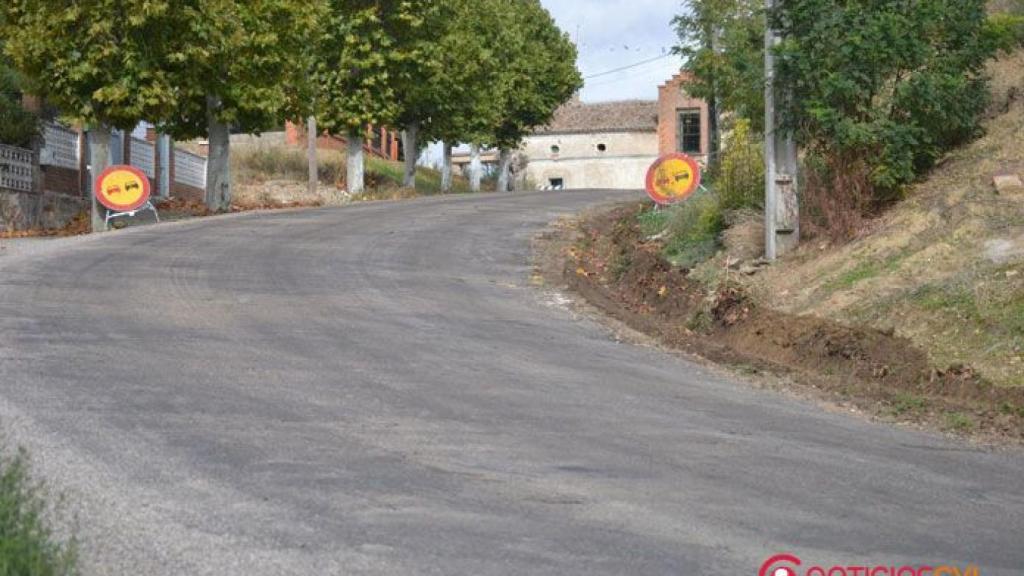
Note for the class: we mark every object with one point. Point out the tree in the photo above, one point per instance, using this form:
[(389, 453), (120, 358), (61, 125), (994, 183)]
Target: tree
[(537, 74), (722, 43), (357, 55), (237, 64), (880, 89), (97, 61), (17, 126)]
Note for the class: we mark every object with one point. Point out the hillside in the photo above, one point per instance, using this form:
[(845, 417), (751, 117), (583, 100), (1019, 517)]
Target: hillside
[(944, 268)]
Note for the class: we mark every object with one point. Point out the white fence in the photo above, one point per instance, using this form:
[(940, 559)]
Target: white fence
[(60, 147), (16, 169), (189, 169), (143, 156)]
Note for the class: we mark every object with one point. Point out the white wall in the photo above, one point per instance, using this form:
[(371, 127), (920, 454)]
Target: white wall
[(580, 164)]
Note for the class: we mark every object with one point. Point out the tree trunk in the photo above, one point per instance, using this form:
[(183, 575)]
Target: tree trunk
[(314, 170), (99, 160), (475, 168), (446, 168), (355, 175), (411, 147), (218, 164), (504, 165)]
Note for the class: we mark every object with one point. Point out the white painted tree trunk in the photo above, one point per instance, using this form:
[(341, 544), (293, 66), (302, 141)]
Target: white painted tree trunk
[(218, 165), (410, 145), (311, 158), (475, 168), (99, 160), (446, 168), (504, 166), (355, 176)]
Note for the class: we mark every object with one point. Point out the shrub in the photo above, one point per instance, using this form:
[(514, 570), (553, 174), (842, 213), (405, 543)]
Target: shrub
[(740, 181), (883, 87), (27, 546), (694, 230), (17, 127)]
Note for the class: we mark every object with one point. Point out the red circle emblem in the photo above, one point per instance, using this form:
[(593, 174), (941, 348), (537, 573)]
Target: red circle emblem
[(122, 188), (673, 178)]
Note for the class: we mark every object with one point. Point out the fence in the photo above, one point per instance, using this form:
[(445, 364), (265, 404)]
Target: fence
[(17, 169), (189, 169), (142, 155), (61, 147)]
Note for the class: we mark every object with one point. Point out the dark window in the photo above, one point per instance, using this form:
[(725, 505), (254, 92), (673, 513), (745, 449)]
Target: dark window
[(557, 183), (601, 147), (689, 131), (555, 149)]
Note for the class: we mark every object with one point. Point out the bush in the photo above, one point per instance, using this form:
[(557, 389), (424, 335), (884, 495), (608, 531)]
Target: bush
[(17, 127), (27, 546), (892, 84), (740, 181), (694, 230)]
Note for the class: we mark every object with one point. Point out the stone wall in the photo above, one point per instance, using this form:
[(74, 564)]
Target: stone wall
[(30, 210)]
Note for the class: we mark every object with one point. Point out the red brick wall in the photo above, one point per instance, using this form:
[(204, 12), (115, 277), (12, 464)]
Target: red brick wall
[(61, 180), (671, 98), (295, 135)]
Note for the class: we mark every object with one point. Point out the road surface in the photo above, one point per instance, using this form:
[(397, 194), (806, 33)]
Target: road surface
[(377, 390)]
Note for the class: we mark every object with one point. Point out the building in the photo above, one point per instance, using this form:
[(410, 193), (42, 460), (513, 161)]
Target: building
[(606, 145), (612, 144), (683, 121)]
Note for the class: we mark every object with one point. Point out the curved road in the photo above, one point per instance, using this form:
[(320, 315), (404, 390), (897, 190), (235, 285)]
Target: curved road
[(377, 390)]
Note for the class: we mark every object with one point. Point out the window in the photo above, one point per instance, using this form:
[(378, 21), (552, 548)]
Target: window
[(556, 183), (689, 131), (601, 148), (555, 150)]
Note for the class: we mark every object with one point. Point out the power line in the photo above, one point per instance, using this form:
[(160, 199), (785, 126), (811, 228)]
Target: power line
[(630, 66)]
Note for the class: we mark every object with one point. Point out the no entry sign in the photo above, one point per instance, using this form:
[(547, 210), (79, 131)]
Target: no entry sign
[(122, 188), (672, 179)]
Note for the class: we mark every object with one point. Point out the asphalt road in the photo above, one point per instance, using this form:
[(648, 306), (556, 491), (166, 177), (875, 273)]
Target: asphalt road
[(378, 390)]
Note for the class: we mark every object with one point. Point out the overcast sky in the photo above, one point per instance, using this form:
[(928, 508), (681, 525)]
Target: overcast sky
[(617, 33)]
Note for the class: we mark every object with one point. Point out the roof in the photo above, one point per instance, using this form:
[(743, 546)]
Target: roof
[(625, 116)]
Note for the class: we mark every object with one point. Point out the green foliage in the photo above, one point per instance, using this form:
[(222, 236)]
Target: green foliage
[(537, 72), (1008, 29), (694, 230), (365, 53), (906, 403), (740, 180), (94, 59), (17, 126), (882, 85), (251, 56), (722, 43), (958, 422), (27, 546)]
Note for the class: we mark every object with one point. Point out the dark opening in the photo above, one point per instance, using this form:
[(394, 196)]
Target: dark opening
[(601, 148), (557, 183), (555, 149), (689, 131)]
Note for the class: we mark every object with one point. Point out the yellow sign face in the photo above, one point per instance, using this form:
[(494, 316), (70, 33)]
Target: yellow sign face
[(673, 178), (122, 188)]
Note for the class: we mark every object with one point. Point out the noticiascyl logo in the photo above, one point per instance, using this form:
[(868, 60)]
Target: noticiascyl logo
[(780, 565), (788, 565)]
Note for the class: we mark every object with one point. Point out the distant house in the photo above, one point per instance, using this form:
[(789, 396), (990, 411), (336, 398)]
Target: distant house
[(612, 144), (606, 145)]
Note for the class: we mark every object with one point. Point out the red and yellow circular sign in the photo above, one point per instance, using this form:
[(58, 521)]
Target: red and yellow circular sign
[(122, 188), (673, 178)]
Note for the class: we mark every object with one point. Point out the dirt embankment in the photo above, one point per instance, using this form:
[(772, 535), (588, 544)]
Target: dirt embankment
[(623, 274)]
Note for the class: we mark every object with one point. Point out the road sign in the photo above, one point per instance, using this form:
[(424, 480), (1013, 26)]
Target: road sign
[(672, 179), (122, 189)]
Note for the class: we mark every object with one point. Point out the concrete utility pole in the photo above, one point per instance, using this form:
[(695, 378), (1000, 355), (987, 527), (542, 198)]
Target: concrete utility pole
[(99, 160), (781, 203)]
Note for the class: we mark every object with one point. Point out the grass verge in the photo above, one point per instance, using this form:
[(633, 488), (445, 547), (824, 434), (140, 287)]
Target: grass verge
[(28, 547)]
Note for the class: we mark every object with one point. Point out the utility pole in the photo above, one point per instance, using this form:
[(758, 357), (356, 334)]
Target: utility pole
[(781, 203)]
